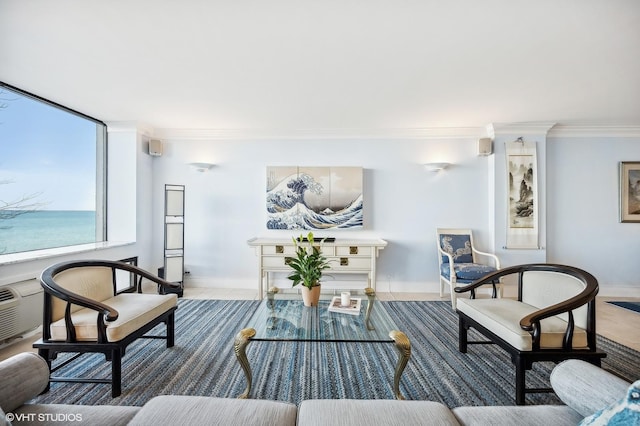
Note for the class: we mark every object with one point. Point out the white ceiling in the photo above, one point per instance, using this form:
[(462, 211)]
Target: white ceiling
[(328, 64)]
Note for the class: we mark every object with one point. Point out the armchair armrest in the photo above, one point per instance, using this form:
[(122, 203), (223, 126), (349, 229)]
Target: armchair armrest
[(489, 255), (50, 286), (444, 253), (588, 294), (531, 322), (145, 274), (452, 274)]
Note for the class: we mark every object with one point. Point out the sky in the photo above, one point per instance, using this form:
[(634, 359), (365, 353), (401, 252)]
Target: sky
[(46, 151)]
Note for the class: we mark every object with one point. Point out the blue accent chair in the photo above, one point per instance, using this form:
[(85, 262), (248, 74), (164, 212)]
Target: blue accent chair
[(461, 263)]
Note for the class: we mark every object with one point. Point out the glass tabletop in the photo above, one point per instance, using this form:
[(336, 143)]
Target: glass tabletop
[(284, 317)]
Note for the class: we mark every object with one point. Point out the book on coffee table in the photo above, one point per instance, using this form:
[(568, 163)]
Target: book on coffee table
[(353, 309)]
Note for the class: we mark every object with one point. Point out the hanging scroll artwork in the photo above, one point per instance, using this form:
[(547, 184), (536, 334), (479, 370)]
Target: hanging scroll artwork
[(522, 195)]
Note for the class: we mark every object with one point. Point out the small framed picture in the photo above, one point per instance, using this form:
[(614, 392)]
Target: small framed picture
[(630, 191)]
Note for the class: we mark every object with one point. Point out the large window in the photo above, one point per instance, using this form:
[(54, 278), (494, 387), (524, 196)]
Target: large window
[(52, 174)]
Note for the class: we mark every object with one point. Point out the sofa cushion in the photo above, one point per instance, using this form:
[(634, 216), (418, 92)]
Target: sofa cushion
[(202, 410), (22, 377), (533, 415), (3, 419), (59, 414), (502, 317), (622, 413), (585, 387), (135, 310), (356, 412)]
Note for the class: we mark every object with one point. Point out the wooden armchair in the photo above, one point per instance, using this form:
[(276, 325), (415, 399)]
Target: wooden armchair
[(553, 319), (460, 262), (83, 313)]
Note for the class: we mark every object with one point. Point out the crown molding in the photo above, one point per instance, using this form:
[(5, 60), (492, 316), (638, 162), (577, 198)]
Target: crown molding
[(519, 129), (595, 130), (285, 134), (128, 127), (550, 129)]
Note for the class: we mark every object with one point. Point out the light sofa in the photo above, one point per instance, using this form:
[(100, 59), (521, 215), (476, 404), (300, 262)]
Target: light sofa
[(582, 386)]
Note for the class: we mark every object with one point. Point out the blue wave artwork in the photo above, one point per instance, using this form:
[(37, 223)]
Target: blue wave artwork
[(314, 198)]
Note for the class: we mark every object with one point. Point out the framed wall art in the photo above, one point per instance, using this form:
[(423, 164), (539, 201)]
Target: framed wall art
[(314, 197), (630, 191)]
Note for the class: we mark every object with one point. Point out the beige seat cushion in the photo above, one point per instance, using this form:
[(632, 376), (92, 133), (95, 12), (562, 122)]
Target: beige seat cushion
[(362, 412), (210, 411), (502, 317), (135, 311), (532, 415)]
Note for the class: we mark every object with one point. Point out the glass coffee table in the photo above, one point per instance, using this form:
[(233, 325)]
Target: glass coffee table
[(284, 318)]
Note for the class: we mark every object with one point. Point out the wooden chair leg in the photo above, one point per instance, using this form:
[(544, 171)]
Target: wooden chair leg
[(462, 336), (116, 373), (453, 296), (597, 361), (521, 370), (171, 331)]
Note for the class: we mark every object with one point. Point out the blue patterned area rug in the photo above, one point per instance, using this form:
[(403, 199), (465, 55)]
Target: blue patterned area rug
[(632, 306), (203, 363)]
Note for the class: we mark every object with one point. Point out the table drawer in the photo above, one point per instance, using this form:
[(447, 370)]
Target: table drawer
[(290, 250), (350, 262), (275, 262), (353, 251), (279, 249)]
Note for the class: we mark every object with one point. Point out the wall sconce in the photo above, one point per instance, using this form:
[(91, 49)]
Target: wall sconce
[(201, 167), (436, 167)]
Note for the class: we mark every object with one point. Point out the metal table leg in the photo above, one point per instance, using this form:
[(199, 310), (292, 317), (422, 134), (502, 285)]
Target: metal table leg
[(243, 338), (404, 350), (371, 295)]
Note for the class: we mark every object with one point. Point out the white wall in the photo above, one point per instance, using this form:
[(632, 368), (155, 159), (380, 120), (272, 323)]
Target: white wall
[(404, 203), (583, 213)]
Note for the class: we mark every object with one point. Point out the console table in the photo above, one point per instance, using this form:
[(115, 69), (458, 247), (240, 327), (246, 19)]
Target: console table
[(347, 256)]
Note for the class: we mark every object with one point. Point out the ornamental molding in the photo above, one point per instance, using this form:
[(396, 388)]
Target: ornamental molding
[(492, 130)]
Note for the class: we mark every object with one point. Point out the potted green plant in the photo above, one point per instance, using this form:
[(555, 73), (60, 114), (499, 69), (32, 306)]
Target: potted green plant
[(307, 266)]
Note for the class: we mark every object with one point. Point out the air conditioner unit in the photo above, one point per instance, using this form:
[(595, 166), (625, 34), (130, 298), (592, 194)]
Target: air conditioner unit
[(20, 308)]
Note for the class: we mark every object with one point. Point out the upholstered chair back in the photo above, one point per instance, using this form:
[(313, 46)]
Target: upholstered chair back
[(94, 282), (458, 246), (545, 288)]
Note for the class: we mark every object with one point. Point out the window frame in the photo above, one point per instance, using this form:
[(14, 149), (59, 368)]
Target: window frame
[(100, 176)]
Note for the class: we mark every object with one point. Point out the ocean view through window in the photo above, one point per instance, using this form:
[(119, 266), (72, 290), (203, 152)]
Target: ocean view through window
[(52, 174)]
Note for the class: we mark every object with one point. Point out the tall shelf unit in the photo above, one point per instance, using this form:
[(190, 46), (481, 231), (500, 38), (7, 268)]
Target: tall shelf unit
[(173, 270)]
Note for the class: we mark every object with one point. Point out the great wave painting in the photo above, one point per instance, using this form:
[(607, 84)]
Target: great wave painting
[(314, 197)]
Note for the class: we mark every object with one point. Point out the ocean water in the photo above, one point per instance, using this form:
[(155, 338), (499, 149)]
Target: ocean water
[(47, 229)]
